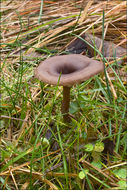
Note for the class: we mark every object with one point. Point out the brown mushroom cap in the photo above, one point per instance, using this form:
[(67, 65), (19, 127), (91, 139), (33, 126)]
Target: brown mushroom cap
[(67, 69)]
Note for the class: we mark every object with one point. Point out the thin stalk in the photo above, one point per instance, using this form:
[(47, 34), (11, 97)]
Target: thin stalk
[(107, 83), (66, 103), (41, 10)]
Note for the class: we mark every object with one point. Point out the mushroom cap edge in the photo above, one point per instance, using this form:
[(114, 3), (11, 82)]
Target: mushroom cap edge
[(84, 67)]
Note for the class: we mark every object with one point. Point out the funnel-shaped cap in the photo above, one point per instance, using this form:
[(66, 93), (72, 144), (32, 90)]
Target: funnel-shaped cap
[(68, 69)]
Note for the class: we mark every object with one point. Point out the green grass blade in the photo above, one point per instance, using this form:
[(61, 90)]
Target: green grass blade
[(108, 89), (120, 129), (64, 158), (41, 9)]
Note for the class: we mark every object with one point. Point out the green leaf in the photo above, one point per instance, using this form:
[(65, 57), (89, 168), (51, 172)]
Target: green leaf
[(3, 182), (122, 184), (83, 174), (96, 164), (45, 142), (99, 147), (89, 147), (73, 107), (121, 173)]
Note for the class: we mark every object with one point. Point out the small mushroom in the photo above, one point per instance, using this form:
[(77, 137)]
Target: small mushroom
[(67, 70)]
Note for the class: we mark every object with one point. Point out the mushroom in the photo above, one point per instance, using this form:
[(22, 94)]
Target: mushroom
[(67, 70)]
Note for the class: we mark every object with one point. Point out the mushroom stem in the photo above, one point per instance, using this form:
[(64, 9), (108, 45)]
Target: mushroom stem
[(66, 103)]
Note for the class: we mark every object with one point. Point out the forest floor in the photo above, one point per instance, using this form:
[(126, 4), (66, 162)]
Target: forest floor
[(38, 150)]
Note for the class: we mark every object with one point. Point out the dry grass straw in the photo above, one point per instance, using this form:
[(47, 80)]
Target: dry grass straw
[(115, 18), (20, 19)]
